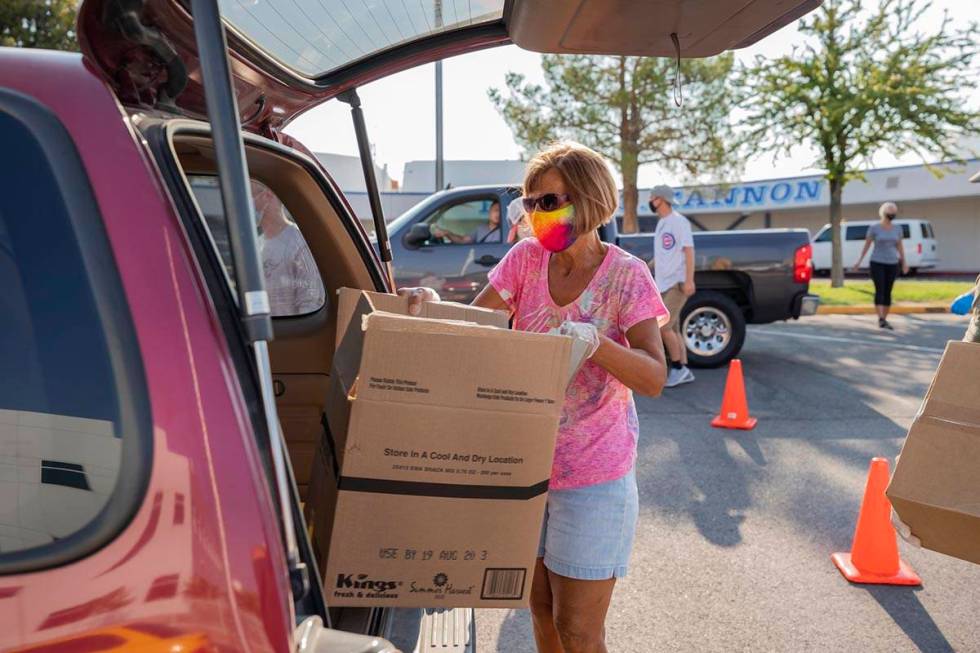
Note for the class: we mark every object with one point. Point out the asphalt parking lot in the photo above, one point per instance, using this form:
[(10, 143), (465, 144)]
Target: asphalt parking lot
[(736, 528)]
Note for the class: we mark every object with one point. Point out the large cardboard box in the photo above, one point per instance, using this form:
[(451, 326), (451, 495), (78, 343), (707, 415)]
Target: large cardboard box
[(936, 485), (430, 488)]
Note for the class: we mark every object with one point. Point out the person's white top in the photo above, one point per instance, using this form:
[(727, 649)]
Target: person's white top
[(515, 210), (672, 236)]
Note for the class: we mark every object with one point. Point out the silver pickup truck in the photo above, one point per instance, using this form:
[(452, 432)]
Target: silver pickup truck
[(743, 277)]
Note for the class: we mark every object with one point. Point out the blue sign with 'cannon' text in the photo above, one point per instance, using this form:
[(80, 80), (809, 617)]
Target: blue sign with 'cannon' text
[(753, 195)]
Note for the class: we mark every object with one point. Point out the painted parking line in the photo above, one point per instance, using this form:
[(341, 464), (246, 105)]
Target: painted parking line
[(855, 341)]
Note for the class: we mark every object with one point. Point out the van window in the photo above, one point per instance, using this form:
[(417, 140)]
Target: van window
[(924, 229), (823, 236), (292, 278), (72, 409), (856, 232), (906, 232)]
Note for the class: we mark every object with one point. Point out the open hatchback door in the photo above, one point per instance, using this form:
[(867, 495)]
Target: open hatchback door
[(290, 55)]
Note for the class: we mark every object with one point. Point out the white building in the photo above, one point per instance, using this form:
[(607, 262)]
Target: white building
[(346, 170), (951, 203), (420, 176)]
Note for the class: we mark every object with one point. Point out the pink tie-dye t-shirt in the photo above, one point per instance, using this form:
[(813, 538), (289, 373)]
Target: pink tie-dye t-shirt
[(598, 429)]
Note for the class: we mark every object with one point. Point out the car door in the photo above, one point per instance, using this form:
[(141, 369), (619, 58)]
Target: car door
[(462, 246)]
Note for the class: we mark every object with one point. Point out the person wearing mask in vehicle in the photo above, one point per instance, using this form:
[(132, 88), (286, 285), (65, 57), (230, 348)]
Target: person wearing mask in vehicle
[(887, 256), (478, 235), (567, 279), (292, 278), (673, 261)]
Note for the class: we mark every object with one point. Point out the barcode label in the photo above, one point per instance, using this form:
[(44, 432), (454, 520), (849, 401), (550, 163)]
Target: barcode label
[(505, 584)]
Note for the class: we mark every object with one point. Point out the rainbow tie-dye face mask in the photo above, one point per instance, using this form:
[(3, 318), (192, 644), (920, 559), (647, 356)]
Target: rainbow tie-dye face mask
[(554, 229)]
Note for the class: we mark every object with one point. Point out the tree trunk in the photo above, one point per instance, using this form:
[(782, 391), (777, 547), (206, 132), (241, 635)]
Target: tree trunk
[(630, 223), (836, 252)]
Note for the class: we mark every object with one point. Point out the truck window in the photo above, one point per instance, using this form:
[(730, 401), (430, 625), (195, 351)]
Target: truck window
[(474, 221), (292, 278), (856, 232), (74, 424)]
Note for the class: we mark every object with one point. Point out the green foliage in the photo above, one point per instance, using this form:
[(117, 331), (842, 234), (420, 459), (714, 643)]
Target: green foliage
[(866, 80), (861, 292), (623, 107), (38, 24)]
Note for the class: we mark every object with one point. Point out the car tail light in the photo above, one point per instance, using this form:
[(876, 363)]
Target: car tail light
[(920, 248), (803, 264)]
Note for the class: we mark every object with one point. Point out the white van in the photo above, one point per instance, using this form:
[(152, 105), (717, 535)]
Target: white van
[(919, 241)]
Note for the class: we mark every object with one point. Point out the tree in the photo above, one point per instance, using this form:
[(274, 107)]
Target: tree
[(623, 107), (865, 81), (38, 24)]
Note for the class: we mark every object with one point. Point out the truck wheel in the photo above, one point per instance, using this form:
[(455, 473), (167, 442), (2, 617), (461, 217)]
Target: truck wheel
[(713, 329)]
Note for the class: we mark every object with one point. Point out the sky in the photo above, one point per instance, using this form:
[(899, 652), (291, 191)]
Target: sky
[(400, 110)]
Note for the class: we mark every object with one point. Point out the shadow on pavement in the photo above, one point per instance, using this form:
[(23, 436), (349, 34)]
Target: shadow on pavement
[(515, 633), (908, 613)]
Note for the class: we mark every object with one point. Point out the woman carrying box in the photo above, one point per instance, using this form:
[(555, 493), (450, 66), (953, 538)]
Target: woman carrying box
[(565, 279)]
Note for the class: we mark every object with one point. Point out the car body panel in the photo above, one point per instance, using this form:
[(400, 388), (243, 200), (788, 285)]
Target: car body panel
[(203, 555)]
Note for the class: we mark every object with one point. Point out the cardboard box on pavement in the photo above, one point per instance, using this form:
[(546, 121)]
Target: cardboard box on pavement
[(431, 489), (936, 485)]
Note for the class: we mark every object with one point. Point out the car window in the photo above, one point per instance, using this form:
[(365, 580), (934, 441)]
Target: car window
[(313, 38), (466, 223), (823, 236), (856, 232), (73, 425), (292, 278)]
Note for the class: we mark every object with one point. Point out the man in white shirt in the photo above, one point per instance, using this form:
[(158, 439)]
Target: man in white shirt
[(673, 260)]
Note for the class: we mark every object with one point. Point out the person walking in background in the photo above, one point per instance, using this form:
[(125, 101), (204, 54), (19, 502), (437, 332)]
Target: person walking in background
[(887, 256), (673, 260)]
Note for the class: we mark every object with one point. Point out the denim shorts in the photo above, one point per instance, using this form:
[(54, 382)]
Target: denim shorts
[(588, 531)]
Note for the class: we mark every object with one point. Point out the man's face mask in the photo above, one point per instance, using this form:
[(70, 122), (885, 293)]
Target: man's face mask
[(555, 230)]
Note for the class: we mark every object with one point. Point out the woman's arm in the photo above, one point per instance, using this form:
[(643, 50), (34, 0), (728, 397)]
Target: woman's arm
[(867, 246), (901, 257), (641, 367), (490, 298)]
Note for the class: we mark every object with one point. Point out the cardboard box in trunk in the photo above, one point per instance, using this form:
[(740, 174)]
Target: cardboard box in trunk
[(431, 488), (936, 485)]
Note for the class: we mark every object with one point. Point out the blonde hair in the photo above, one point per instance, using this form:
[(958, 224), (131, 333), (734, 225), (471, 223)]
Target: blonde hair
[(585, 173), (887, 207)]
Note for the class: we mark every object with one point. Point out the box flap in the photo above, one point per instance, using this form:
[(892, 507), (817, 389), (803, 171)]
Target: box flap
[(433, 362), (349, 298), (953, 394)]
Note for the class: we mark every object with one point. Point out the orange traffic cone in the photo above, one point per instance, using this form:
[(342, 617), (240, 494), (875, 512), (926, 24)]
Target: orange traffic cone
[(734, 407), (874, 553)]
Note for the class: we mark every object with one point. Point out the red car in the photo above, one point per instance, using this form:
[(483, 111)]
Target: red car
[(147, 498)]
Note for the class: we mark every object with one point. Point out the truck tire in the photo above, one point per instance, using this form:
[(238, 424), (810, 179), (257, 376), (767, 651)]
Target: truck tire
[(713, 329)]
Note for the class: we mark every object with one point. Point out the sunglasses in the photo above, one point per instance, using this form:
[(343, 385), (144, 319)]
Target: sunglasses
[(546, 202)]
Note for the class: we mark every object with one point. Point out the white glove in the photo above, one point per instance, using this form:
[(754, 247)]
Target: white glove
[(904, 530), (417, 296), (587, 333)]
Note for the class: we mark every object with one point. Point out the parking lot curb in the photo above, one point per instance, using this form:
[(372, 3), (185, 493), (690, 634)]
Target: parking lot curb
[(869, 309)]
